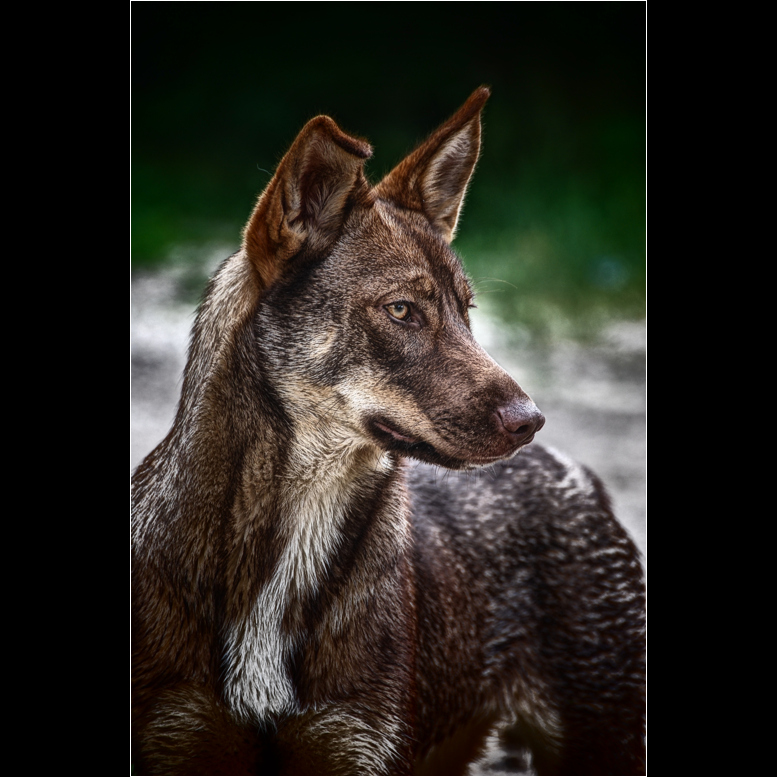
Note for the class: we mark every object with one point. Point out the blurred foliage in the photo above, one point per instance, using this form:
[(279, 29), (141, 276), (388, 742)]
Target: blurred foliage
[(555, 217)]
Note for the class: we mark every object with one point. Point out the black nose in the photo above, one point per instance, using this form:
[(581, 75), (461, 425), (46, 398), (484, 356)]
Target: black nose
[(522, 419)]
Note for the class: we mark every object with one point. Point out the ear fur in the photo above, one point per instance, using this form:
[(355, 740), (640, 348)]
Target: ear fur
[(306, 200), (434, 178)]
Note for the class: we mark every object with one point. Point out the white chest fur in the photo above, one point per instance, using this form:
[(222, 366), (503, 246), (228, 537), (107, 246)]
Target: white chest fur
[(317, 493)]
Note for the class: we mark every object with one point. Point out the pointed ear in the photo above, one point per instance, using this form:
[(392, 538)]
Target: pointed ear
[(434, 178), (307, 199)]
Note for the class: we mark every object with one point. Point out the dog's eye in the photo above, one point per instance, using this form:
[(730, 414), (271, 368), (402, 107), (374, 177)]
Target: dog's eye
[(399, 310)]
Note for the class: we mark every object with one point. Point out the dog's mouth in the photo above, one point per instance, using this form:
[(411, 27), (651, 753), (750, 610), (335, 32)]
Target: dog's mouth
[(395, 434), (394, 438)]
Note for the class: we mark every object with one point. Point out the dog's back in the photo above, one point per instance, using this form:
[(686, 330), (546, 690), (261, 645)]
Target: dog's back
[(546, 592)]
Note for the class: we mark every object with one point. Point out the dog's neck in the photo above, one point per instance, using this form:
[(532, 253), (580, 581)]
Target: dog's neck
[(325, 473)]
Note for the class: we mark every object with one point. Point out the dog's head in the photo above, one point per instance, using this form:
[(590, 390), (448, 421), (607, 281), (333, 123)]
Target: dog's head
[(364, 315)]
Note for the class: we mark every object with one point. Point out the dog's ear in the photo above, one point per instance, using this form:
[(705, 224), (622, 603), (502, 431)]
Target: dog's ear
[(307, 199), (434, 178)]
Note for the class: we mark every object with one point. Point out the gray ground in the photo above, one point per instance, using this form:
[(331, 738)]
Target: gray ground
[(593, 398)]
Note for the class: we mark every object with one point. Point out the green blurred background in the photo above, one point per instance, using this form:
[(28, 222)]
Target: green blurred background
[(554, 225)]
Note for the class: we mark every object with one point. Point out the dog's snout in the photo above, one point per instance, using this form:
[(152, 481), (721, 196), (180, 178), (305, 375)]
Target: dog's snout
[(521, 419)]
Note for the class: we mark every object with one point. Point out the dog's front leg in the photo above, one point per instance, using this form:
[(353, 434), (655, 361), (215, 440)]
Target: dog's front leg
[(188, 730), (346, 739)]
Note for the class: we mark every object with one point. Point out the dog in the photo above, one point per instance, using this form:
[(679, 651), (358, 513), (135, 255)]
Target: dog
[(304, 602)]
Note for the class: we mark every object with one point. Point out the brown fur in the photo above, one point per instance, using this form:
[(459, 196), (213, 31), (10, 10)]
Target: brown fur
[(303, 604)]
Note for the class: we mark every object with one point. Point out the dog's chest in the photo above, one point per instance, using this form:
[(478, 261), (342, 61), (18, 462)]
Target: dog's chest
[(260, 645)]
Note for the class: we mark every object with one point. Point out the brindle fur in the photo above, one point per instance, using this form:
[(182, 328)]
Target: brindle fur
[(307, 603)]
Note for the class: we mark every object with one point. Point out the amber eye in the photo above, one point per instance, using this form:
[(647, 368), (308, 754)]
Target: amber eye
[(399, 310)]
